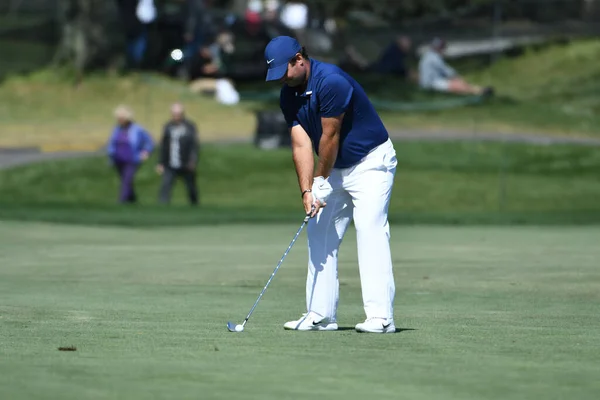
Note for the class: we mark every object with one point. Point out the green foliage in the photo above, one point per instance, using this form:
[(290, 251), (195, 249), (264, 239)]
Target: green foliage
[(549, 89), (451, 182), (487, 314), (560, 74), (394, 9)]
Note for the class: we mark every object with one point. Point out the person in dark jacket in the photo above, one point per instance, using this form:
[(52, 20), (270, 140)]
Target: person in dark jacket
[(178, 155), (135, 32), (393, 59), (199, 28)]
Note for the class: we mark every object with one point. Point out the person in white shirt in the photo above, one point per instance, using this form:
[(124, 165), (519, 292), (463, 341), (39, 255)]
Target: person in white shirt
[(435, 74), (137, 17), (295, 16), (146, 11)]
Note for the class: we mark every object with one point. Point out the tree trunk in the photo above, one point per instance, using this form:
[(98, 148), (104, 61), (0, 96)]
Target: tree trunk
[(83, 37), (591, 10)]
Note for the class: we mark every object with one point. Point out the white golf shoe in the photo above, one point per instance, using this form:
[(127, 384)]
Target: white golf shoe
[(376, 325), (311, 322)]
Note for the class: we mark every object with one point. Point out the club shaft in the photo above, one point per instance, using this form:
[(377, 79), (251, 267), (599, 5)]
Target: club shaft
[(275, 271)]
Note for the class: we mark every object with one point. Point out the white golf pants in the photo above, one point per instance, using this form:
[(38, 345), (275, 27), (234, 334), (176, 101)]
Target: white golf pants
[(360, 193)]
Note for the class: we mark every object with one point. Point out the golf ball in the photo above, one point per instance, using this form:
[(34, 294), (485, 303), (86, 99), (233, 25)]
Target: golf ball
[(239, 328)]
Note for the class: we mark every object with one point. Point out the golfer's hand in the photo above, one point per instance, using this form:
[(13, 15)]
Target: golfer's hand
[(321, 189), (144, 155), (160, 169), (311, 205)]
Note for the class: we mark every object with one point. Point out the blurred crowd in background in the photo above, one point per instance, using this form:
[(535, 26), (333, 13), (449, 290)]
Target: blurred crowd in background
[(218, 48), (209, 35), (204, 56)]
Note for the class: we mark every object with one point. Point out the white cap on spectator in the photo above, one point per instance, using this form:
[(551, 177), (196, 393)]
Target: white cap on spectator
[(146, 11), (124, 112)]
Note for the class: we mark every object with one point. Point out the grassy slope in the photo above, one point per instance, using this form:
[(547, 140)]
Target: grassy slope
[(437, 180), (20, 55), (44, 110), (495, 314), (553, 91)]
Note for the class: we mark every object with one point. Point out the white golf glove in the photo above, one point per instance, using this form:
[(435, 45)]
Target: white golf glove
[(321, 189)]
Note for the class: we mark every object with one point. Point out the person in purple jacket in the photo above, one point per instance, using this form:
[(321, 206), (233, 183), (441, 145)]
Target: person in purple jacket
[(129, 145)]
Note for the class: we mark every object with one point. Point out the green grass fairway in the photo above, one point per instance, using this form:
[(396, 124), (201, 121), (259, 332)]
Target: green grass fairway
[(454, 182), (489, 313)]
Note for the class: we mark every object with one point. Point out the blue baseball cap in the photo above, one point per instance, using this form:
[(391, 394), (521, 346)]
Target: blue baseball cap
[(278, 54)]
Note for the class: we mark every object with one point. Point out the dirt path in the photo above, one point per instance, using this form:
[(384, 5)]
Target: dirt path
[(449, 135), (13, 157)]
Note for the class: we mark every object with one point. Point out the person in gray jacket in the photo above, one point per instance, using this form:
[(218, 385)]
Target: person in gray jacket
[(178, 155), (435, 74)]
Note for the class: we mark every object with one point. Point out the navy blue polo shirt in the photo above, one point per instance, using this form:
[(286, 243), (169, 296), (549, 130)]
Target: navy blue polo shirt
[(330, 92)]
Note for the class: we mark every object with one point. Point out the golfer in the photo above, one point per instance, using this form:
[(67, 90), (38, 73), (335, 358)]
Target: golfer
[(328, 111)]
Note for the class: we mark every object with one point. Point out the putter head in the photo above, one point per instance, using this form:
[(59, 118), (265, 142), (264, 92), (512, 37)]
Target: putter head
[(231, 327)]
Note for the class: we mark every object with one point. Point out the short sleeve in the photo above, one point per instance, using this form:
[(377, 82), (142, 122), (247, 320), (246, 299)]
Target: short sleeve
[(288, 112), (334, 95), (444, 68)]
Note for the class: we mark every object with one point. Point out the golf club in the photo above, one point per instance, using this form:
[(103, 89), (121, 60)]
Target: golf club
[(240, 328)]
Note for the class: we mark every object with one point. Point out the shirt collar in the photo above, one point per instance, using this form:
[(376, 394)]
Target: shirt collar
[(309, 85)]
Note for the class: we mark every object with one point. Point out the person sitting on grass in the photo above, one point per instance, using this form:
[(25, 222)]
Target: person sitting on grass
[(435, 74)]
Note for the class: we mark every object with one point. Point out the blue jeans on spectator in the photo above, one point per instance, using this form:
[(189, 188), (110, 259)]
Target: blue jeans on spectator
[(136, 48), (192, 47)]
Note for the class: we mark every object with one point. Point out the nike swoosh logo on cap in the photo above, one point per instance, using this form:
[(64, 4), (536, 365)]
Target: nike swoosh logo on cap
[(270, 61)]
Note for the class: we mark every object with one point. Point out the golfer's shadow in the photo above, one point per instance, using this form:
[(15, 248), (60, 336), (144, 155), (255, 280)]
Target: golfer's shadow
[(351, 328)]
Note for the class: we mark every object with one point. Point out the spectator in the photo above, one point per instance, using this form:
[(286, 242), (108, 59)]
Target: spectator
[(129, 145), (137, 16), (212, 60), (211, 70), (272, 9), (205, 63), (134, 32), (253, 16), (393, 59), (435, 74), (195, 28), (199, 27), (294, 15), (178, 155)]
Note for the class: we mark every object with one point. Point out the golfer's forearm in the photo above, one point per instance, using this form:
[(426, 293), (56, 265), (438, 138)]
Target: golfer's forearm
[(329, 144), (304, 162), (328, 150)]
